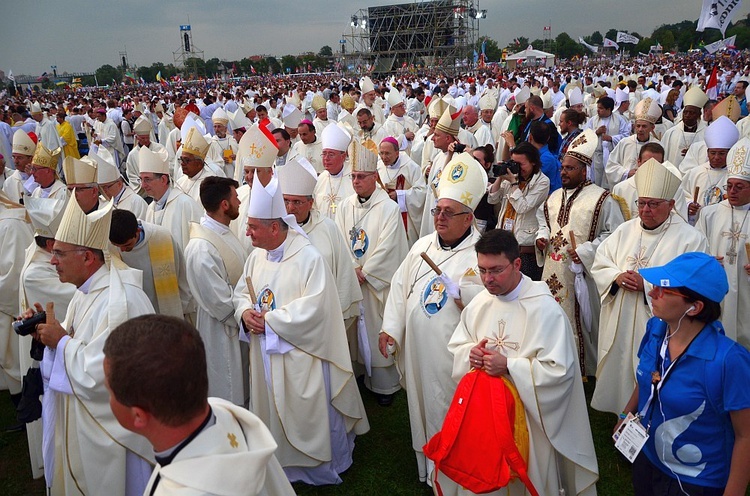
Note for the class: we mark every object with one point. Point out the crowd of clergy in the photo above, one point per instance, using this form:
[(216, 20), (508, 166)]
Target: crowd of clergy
[(320, 235)]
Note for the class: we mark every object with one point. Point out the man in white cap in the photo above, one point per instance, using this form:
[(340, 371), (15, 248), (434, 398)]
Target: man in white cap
[(677, 139), (697, 153), (142, 129), (369, 97), (321, 119), (44, 170), (291, 117), (405, 184), (153, 250), (107, 135), (309, 145), (621, 163), (283, 304), (334, 184), (39, 282), (423, 308), (113, 187), (485, 133), (17, 235), (372, 225), (707, 184), (45, 130), (728, 232), (443, 139), (215, 260), (653, 238), (610, 128), (166, 123), (586, 210), (23, 149), (193, 164), (89, 453), (514, 330), (298, 180), (398, 124), (171, 207), (81, 176), (223, 148)]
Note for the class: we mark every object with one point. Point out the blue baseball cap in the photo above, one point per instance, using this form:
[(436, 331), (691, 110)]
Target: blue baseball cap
[(696, 271)]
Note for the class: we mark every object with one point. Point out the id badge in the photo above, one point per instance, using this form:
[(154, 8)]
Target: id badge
[(508, 224), (630, 437)]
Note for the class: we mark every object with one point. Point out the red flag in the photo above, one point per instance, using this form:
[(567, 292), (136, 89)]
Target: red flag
[(712, 86), (252, 69)]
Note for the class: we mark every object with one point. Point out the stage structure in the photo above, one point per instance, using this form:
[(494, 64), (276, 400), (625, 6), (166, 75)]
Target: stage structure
[(186, 58), (392, 37)]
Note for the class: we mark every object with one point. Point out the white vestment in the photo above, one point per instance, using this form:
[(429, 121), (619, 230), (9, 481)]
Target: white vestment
[(375, 234), (311, 152), (210, 463), (624, 314), (56, 190), (405, 177), (696, 155), (433, 179), (624, 158), (178, 212), (533, 333), (626, 194), (224, 148), (131, 201), (330, 191), (676, 139), (421, 317), (133, 170), (301, 381), (727, 230), (191, 186), (214, 260), (91, 453), (711, 185), (617, 128)]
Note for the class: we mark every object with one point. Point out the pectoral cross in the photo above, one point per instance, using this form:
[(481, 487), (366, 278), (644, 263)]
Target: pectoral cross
[(232, 440), (734, 236), (332, 201)]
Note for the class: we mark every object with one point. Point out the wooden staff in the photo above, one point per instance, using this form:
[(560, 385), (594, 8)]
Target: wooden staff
[(695, 194), (572, 236), (251, 290), (747, 251), (432, 264)]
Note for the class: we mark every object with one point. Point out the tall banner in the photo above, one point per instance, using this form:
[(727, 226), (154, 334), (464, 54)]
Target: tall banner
[(627, 38), (593, 48), (717, 14), (718, 45), (610, 43)]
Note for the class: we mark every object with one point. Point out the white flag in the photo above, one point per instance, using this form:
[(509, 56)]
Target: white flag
[(627, 38), (717, 14), (11, 76), (593, 48), (721, 44), (610, 43)]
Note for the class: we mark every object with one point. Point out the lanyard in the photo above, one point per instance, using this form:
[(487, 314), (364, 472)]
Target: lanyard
[(660, 376)]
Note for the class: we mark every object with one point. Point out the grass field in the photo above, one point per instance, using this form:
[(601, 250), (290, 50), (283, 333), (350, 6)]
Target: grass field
[(383, 459)]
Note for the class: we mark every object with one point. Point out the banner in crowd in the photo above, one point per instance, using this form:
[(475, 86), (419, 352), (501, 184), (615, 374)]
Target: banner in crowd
[(610, 43), (718, 45), (593, 48), (627, 38), (717, 14)]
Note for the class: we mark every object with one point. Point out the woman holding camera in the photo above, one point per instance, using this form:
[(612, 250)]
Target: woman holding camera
[(691, 395), (520, 188)]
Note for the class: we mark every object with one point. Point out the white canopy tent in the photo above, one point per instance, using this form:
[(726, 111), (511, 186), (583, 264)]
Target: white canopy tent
[(531, 57)]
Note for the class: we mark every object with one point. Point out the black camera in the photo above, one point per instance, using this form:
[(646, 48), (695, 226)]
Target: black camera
[(459, 148), (27, 326), (502, 168)]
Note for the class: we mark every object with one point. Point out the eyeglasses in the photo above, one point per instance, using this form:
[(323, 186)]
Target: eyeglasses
[(446, 213), (295, 203), (361, 176), (651, 204), (60, 253), (737, 187), (660, 291), (187, 160), (493, 272)]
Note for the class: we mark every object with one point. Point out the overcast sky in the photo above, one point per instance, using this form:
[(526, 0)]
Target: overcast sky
[(81, 35)]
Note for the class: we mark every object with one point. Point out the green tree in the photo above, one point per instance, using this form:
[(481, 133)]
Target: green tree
[(273, 65), (213, 66), (567, 47), (611, 34), (289, 63), (491, 49), (195, 66), (596, 38), (326, 51), (106, 74)]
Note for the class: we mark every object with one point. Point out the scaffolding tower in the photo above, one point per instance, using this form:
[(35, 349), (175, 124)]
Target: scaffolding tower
[(387, 38), (187, 56)]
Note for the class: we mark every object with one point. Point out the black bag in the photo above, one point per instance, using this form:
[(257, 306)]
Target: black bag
[(30, 407)]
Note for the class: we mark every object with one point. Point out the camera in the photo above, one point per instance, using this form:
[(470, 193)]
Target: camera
[(27, 326), (459, 148), (502, 168)]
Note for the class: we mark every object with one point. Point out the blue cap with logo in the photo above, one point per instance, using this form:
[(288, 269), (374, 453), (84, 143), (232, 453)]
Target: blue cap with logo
[(696, 271)]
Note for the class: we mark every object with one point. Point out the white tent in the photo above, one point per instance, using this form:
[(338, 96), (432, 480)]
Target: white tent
[(531, 57)]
